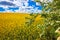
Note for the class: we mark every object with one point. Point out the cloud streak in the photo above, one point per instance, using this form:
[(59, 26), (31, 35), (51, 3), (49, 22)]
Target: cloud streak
[(6, 3)]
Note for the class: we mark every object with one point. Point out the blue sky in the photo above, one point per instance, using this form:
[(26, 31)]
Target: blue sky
[(20, 6)]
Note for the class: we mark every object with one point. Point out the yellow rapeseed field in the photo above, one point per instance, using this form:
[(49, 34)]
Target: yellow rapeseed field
[(9, 21), (18, 18)]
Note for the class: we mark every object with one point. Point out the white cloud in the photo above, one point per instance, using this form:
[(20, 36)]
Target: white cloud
[(21, 7), (8, 11), (38, 3), (32, 0), (25, 10), (26, 4)]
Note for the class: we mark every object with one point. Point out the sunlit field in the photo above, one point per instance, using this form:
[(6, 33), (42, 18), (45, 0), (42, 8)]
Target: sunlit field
[(25, 26), (16, 26)]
